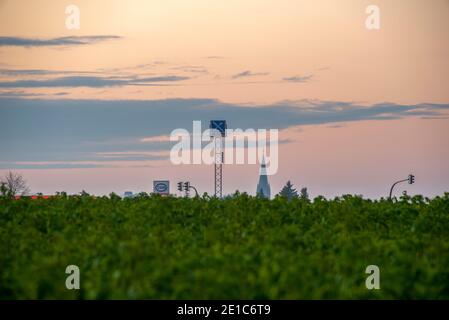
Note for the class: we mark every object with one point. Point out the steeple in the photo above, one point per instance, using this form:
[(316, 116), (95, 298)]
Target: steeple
[(263, 187)]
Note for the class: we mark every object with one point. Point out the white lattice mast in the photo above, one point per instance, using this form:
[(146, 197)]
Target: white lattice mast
[(218, 132), (218, 166)]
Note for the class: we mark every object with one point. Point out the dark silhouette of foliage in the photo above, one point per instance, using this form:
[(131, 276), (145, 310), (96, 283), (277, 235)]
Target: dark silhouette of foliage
[(304, 194), (288, 191)]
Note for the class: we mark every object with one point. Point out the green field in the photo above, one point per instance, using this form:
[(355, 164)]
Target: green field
[(239, 248)]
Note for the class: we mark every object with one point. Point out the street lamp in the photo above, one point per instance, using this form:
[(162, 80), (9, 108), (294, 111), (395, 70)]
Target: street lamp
[(410, 179)]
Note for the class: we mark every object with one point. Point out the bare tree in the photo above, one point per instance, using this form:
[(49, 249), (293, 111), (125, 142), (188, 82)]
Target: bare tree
[(15, 184)]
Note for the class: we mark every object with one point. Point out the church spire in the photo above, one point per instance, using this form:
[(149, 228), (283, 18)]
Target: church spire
[(263, 187)]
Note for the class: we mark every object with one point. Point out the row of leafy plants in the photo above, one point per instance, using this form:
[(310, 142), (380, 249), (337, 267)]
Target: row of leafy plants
[(241, 247)]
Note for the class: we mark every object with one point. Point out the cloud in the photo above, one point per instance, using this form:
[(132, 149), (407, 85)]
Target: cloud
[(88, 81), (162, 138), (94, 160), (51, 165), (19, 94), (192, 69), (298, 79), (24, 94), (61, 41), (160, 79), (45, 130), (214, 57), (38, 72), (249, 73), (154, 154)]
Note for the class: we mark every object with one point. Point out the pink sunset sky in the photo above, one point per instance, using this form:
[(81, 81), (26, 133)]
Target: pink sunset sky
[(356, 109)]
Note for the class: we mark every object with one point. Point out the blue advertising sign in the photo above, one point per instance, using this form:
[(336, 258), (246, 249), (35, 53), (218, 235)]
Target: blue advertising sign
[(161, 186)]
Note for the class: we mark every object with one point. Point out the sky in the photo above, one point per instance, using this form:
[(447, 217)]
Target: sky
[(356, 109)]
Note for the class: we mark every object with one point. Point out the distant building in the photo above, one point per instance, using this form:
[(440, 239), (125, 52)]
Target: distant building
[(263, 187), (128, 194)]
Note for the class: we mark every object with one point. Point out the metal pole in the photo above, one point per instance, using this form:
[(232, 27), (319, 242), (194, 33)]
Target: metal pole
[(391, 190), (195, 190)]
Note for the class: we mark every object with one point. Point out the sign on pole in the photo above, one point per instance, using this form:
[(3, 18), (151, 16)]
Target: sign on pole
[(219, 125), (161, 187)]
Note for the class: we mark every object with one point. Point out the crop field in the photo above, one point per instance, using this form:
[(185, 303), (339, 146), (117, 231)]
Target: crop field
[(242, 247)]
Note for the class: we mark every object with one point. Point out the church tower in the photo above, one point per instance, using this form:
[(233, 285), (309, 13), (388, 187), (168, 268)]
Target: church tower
[(263, 187)]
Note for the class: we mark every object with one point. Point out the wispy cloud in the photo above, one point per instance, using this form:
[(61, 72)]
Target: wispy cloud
[(19, 94), (214, 57), (52, 42), (89, 81), (153, 155), (39, 72), (248, 73), (24, 94), (162, 138), (161, 79), (51, 165), (298, 79), (115, 163), (191, 69)]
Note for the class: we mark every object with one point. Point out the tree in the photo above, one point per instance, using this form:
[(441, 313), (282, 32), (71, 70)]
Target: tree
[(4, 190), (304, 194), (288, 191), (84, 194), (14, 184)]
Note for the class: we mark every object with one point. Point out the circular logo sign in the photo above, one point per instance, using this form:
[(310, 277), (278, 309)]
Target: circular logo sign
[(161, 187)]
